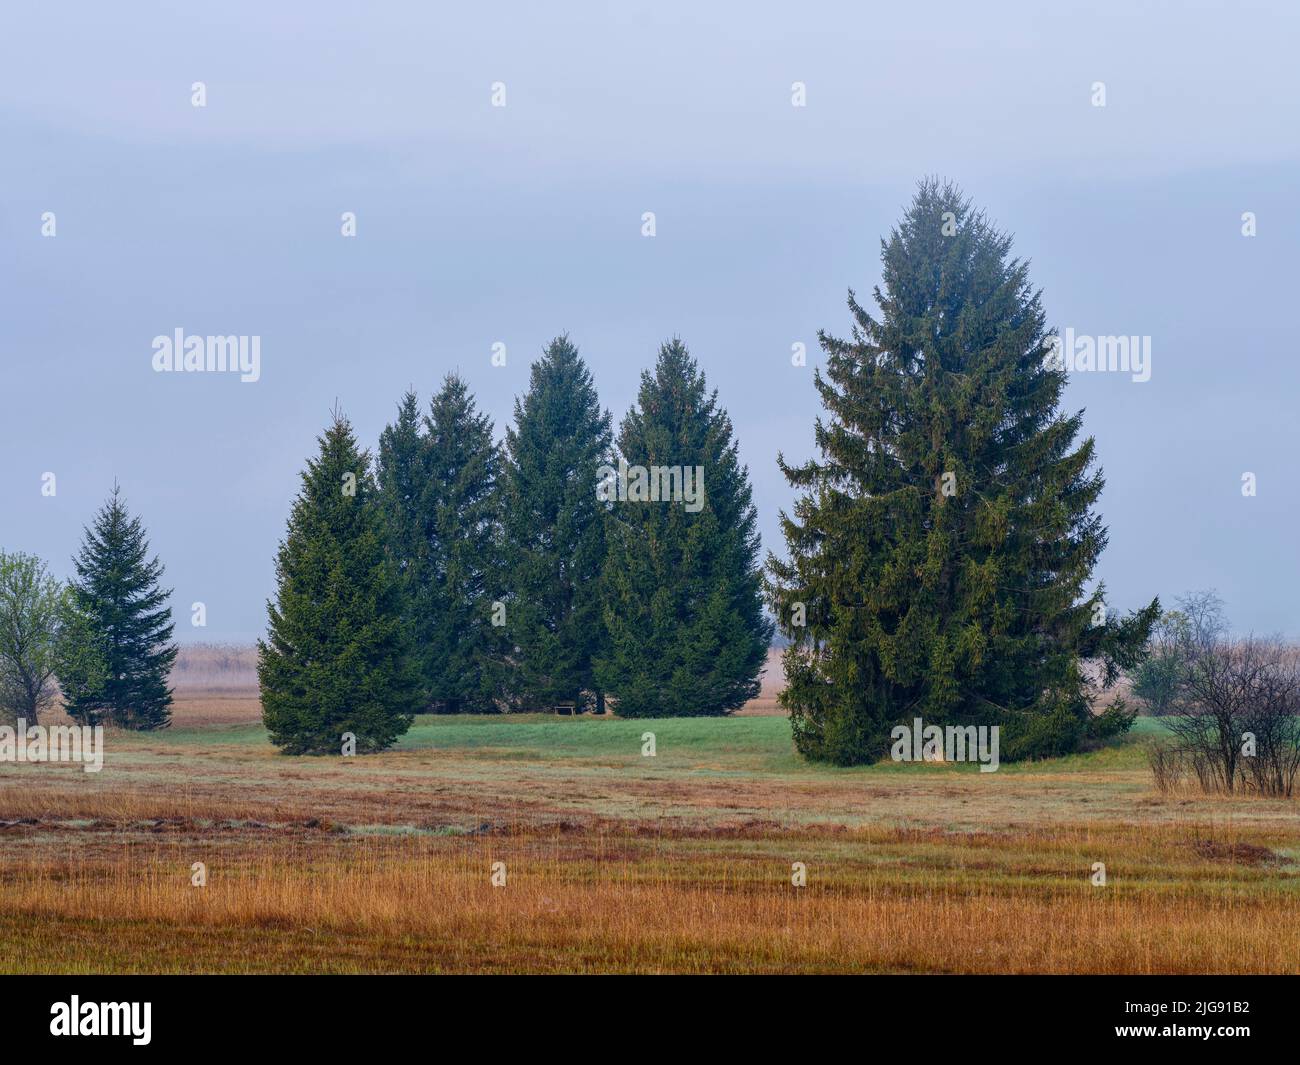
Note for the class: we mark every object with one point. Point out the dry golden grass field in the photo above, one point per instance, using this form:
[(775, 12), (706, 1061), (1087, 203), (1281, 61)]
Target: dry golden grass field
[(614, 861)]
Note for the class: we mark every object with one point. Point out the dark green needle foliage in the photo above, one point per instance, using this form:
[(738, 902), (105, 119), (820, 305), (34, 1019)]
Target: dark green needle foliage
[(337, 656), (555, 533), (124, 613), (683, 591), (940, 553), (439, 494)]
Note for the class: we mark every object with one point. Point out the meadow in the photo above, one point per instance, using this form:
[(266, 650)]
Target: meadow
[(615, 861)]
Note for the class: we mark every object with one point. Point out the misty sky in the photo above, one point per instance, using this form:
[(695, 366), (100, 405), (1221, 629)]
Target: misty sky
[(478, 224)]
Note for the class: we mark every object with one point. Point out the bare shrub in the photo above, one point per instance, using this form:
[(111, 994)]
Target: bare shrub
[(1237, 728), (1168, 766), (1273, 726)]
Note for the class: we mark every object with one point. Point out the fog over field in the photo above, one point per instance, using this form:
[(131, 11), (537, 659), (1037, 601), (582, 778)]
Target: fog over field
[(479, 225)]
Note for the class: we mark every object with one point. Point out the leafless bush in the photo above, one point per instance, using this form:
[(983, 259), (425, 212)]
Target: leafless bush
[(1237, 727), (1168, 766), (1273, 728)]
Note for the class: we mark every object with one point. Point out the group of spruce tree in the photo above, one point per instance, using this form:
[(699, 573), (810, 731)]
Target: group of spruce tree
[(455, 574), (938, 559)]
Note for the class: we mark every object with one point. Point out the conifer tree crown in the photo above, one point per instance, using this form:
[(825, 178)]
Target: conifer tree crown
[(336, 659), (682, 588), (125, 610), (555, 530), (940, 552)]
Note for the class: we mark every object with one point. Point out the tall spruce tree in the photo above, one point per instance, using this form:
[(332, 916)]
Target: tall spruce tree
[(683, 591), (439, 494), (337, 655), (939, 556), (402, 480), (555, 532), (125, 611)]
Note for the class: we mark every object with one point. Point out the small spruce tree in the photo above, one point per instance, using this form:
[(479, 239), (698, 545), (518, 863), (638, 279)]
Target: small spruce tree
[(402, 481), (462, 650), (555, 533), (336, 659), (682, 586), (439, 495), (124, 612)]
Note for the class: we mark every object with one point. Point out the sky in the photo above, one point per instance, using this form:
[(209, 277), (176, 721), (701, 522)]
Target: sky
[(479, 224)]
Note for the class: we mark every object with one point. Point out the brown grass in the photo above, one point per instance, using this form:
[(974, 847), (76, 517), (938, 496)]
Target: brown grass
[(619, 863), (599, 903)]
